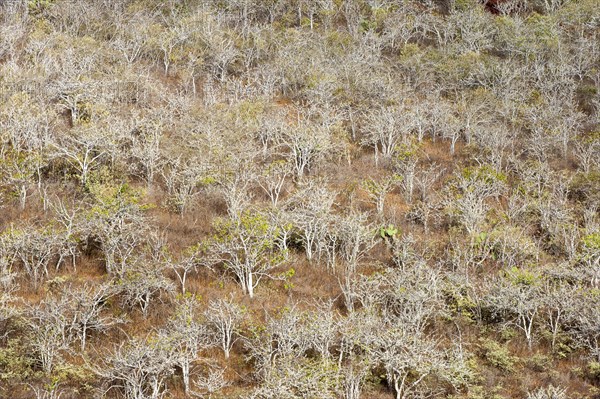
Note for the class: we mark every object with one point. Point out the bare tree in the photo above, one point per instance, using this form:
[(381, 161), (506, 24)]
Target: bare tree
[(510, 246), (319, 328), (356, 237), (117, 223), (26, 128), (247, 247), (589, 258), (273, 180), (406, 158), (132, 38), (49, 337), (183, 180), (18, 174), (306, 143), (474, 33), (211, 383), (88, 311), (385, 129), (558, 306), (518, 299), (145, 149), (295, 378), (170, 39), (311, 213), (235, 186), (224, 318), (186, 336), (586, 151), (138, 368), (549, 392), (141, 283), (32, 249), (8, 310), (279, 351), (585, 323), (410, 296), (378, 190), (188, 264), (221, 49), (408, 359), (472, 189), (83, 151), (354, 374), (425, 180), (49, 391), (68, 237), (495, 140)]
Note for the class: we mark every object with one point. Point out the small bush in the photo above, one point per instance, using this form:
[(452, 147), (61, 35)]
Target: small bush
[(593, 370), (498, 356), (539, 363)]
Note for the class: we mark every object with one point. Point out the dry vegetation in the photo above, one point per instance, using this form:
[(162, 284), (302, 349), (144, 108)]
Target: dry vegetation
[(299, 199)]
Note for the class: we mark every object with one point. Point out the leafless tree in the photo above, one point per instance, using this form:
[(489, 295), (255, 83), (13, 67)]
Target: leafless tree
[(558, 306), (190, 262), (26, 123), (354, 374), (473, 189), (518, 299), (586, 152), (311, 212), (585, 322), (549, 392), (183, 180), (235, 188), (405, 165), (88, 311), (306, 143), (141, 283), (70, 220), (356, 237), (117, 223), (214, 381), (220, 45), (495, 140), (8, 310), (132, 38), (19, 173), (408, 359), (83, 151), (295, 378), (385, 130), (137, 367), (378, 189), (273, 180), (589, 258), (425, 178), (224, 318), (170, 39), (50, 391), (49, 337), (32, 249), (473, 30), (247, 248), (145, 149), (404, 297), (186, 336)]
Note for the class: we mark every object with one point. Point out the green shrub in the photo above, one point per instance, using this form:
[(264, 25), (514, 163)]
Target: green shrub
[(14, 365), (498, 355), (539, 362), (593, 370)]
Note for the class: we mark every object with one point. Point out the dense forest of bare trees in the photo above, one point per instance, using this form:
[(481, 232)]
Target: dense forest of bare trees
[(300, 199)]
